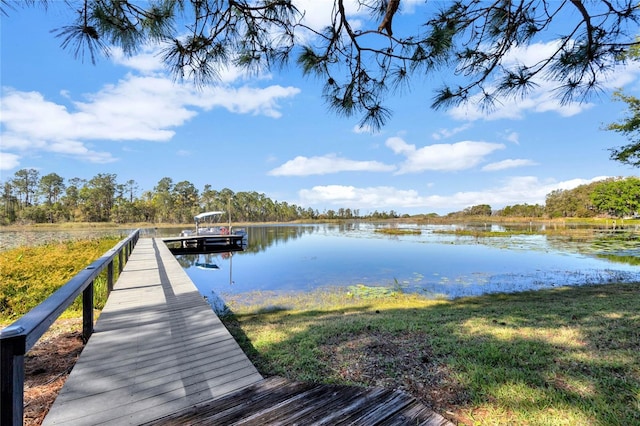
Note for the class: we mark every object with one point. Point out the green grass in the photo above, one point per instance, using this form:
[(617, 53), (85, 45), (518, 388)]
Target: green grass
[(561, 356), (478, 233), (28, 275), (398, 231)]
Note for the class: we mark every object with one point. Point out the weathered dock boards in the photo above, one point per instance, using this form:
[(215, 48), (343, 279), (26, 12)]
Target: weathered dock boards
[(277, 401), (157, 348)]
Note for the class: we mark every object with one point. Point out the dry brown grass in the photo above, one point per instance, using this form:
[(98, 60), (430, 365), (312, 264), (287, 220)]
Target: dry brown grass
[(47, 366)]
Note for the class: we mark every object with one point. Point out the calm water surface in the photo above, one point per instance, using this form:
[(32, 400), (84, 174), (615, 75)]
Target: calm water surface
[(307, 257)]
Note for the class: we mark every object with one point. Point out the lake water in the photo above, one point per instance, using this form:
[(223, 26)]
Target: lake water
[(284, 258)]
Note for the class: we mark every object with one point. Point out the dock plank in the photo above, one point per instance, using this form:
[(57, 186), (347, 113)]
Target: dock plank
[(278, 401)]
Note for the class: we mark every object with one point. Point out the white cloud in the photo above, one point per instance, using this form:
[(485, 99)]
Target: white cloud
[(305, 166), (9, 161), (513, 137), (517, 190), (247, 100), (573, 183), (508, 164), (542, 99), (140, 108), (372, 197), (147, 61), (447, 133), (442, 157), (137, 108), (68, 147)]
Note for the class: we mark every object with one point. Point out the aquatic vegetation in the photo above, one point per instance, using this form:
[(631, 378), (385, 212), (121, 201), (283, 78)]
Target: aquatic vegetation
[(629, 259), (362, 291), (481, 233), (398, 231)]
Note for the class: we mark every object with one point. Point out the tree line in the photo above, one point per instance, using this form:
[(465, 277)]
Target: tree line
[(28, 197), (613, 197)]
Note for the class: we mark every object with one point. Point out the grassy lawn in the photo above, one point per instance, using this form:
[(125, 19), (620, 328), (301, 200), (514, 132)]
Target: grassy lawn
[(563, 356)]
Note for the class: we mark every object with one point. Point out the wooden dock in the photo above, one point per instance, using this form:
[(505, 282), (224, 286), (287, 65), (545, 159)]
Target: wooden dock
[(159, 355), (196, 243)]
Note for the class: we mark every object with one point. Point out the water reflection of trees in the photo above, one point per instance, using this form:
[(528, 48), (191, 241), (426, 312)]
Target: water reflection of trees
[(619, 245), (262, 237)]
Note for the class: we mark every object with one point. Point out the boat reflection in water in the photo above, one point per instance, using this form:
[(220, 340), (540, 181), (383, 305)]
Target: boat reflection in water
[(211, 265), (206, 266)]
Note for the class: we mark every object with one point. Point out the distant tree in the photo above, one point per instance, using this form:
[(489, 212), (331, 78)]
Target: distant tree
[(208, 198), (186, 203), (25, 184), (617, 197), (98, 197), (556, 203), (361, 61), (71, 198), (9, 204), (309, 213), (146, 207), (51, 187), (125, 209), (574, 202), (131, 186), (522, 210), (478, 210), (163, 199)]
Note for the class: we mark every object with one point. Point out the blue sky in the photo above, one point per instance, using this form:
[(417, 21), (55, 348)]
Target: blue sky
[(274, 134)]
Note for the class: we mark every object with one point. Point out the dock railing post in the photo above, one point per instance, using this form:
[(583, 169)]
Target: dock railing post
[(87, 312), (109, 278), (12, 353), (120, 262)]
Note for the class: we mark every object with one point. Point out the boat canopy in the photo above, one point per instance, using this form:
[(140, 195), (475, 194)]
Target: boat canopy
[(206, 215)]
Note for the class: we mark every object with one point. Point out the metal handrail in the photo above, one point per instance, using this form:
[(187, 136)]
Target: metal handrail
[(18, 338)]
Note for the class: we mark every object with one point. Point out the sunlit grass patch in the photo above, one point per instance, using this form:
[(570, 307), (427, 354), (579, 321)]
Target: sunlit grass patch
[(326, 299)]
